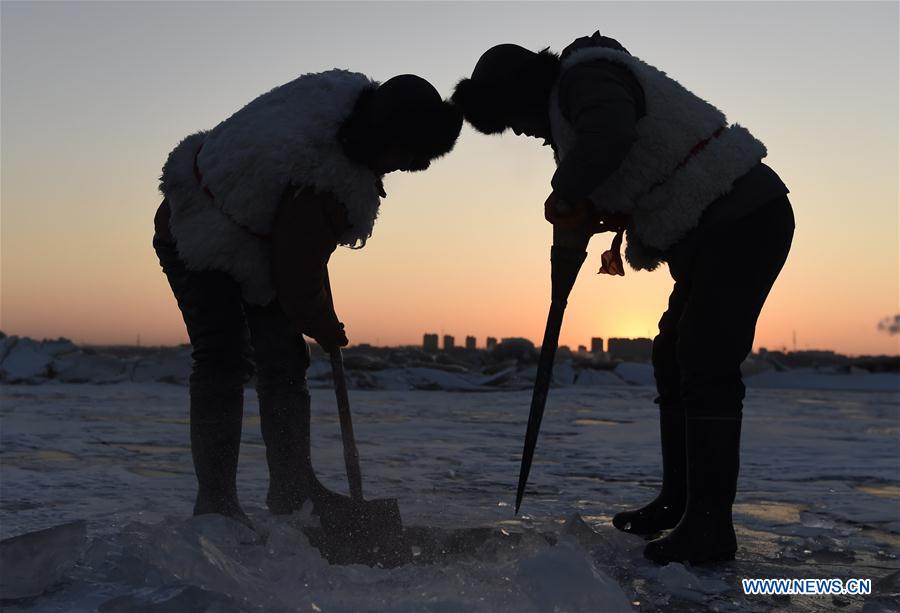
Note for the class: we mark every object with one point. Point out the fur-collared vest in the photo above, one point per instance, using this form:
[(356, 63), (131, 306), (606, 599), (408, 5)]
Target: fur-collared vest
[(287, 136), (665, 181)]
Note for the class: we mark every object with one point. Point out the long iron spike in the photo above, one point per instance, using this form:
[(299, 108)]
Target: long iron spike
[(565, 262)]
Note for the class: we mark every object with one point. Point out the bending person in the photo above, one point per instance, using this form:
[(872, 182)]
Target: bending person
[(636, 152), (253, 210)]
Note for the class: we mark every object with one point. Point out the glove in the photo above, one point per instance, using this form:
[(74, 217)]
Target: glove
[(563, 214), (583, 214), (326, 330), (321, 323)]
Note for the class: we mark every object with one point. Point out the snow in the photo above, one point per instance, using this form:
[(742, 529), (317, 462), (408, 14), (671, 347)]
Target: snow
[(565, 578), (432, 379), (680, 582), (589, 377), (808, 378), (23, 360), (173, 366), (635, 374), (84, 368), (563, 374), (818, 497)]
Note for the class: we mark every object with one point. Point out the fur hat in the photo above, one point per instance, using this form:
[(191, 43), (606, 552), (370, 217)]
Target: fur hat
[(405, 111), (507, 79), (593, 41)]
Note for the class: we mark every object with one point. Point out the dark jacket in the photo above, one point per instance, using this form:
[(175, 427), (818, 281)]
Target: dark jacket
[(604, 103)]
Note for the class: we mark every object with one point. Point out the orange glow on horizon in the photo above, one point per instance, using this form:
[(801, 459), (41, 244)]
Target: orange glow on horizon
[(91, 110)]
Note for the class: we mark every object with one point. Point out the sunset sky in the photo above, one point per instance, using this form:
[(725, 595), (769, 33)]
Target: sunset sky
[(95, 95)]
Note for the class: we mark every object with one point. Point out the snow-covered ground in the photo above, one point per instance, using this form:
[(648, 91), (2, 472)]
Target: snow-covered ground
[(29, 361), (107, 469)]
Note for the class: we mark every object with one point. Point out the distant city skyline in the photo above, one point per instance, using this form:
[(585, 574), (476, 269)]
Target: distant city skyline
[(491, 342), (95, 95), (430, 343)]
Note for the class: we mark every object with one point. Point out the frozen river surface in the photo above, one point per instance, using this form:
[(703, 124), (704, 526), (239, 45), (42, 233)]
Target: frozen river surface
[(107, 469)]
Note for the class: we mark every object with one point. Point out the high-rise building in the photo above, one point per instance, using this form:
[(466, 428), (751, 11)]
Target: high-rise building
[(596, 345), (491, 342), (635, 349), (430, 343), (471, 342), (449, 342)]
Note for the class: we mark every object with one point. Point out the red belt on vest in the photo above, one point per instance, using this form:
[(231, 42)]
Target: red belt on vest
[(611, 260)]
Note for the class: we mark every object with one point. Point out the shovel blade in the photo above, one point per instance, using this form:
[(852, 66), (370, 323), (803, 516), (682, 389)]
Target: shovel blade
[(366, 532)]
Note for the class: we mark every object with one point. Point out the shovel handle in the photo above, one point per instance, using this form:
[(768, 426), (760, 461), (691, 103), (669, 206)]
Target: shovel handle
[(351, 454)]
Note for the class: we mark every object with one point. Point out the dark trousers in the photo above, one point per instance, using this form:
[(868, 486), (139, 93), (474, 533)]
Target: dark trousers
[(723, 274), (231, 340)]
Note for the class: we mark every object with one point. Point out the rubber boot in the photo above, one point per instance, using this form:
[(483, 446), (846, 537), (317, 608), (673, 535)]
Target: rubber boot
[(705, 532), (284, 422), (666, 509), (284, 413), (216, 414)]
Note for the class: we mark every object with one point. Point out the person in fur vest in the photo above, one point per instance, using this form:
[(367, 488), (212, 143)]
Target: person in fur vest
[(252, 211), (638, 154)]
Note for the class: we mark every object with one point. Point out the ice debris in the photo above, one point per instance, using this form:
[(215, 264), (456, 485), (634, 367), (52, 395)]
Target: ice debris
[(564, 578), (680, 582), (32, 563)]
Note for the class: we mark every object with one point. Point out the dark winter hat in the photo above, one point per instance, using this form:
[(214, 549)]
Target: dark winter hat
[(595, 40), (507, 79), (405, 111)]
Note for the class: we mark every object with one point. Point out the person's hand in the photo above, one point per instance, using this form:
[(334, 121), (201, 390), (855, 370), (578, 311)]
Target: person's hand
[(581, 215), (566, 215), (326, 330)]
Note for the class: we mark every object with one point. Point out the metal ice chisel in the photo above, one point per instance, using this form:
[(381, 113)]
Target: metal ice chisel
[(565, 262)]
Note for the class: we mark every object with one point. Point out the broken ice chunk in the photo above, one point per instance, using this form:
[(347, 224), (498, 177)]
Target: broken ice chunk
[(565, 578), (30, 563), (680, 582)]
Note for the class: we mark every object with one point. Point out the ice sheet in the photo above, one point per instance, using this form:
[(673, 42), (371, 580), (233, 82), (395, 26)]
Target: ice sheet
[(818, 496)]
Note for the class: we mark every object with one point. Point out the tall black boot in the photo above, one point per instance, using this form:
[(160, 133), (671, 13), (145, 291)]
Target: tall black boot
[(284, 412), (706, 532), (666, 509), (284, 421), (216, 414)]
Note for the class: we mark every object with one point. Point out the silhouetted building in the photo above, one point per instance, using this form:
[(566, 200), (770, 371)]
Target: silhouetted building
[(430, 343), (582, 349), (596, 345), (471, 343), (630, 349), (449, 342), (491, 342)]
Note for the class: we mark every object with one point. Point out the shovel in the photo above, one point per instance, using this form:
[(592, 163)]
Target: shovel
[(358, 531), (566, 258)]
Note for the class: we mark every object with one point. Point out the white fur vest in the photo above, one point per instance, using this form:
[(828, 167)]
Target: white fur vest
[(660, 182), (286, 136)]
